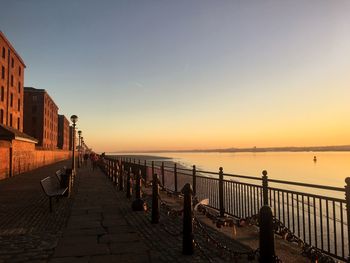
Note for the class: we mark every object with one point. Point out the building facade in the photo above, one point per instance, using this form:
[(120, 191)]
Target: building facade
[(41, 117), (63, 133), (11, 85)]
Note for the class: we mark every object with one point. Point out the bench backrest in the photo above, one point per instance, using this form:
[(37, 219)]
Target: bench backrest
[(49, 185), (59, 175)]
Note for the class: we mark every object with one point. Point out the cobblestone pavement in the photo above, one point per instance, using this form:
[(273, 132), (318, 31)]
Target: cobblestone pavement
[(103, 228), (95, 224), (28, 231)]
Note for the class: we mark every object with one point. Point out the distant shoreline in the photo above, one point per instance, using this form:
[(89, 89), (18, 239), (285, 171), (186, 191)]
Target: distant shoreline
[(342, 148)]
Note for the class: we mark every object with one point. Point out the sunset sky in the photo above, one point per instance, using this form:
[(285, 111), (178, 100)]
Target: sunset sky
[(155, 75)]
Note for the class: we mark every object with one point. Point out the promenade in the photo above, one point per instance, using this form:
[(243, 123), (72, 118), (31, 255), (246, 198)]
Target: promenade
[(96, 224)]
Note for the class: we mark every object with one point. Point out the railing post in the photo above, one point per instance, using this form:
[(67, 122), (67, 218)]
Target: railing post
[(138, 203), (145, 167), (128, 177), (194, 180), (163, 175), (187, 238), (266, 235), (175, 178), (221, 192), (155, 200), (152, 167), (265, 188), (121, 173), (347, 199)]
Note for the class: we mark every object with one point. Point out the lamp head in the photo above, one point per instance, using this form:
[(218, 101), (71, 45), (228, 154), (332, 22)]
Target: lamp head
[(74, 118)]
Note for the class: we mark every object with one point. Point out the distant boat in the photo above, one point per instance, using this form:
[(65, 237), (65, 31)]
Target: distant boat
[(315, 159)]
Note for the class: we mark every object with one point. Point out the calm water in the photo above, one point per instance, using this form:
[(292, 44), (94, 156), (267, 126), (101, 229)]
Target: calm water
[(331, 168), (322, 223)]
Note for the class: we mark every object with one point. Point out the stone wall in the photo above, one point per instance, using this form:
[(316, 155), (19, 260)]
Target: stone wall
[(25, 157)]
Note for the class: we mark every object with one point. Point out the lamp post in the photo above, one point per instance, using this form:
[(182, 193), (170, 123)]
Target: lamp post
[(74, 119), (79, 151)]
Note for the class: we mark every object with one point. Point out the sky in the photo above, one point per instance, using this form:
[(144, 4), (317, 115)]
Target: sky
[(156, 75)]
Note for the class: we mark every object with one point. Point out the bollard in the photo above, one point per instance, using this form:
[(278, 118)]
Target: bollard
[(221, 192), (163, 175), (138, 204), (155, 200), (128, 185), (347, 200), (266, 236), (187, 233), (175, 178), (194, 180), (265, 188)]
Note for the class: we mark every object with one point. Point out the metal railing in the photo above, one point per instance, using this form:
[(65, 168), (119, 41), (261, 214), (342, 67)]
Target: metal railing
[(313, 215)]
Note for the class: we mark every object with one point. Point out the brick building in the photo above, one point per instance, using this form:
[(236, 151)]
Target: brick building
[(41, 117), (11, 85), (63, 133)]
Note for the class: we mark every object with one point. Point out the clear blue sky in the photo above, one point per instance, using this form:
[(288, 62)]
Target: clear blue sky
[(190, 74)]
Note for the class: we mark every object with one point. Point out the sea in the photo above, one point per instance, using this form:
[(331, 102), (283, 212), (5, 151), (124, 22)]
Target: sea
[(322, 168)]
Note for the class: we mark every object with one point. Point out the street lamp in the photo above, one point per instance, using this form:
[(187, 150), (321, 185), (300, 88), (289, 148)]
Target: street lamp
[(79, 151), (74, 119)]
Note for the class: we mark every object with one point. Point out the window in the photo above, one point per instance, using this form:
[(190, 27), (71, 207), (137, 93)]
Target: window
[(1, 116), (33, 120), (2, 93), (19, 105), (35, 98), (19, 87), (11, 80), (18, 123), (11, 100), (2, 72), (12, 63), (34, 109), (11, 120), (19, 70)]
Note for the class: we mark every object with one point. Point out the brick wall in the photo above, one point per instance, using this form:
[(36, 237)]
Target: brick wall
[(25, 157), (4, 159)]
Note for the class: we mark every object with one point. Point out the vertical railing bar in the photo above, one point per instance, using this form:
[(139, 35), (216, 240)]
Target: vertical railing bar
[(335, 229), (293, 214), (342, 229), (315, 221), (327, 213), (279, 206), (288, 215), (248, 201), (298, 215), (309, 219), (257, 199), (274, 202), (321, 223), (303, 207), (251, 201), (283, 208), (245, 201)]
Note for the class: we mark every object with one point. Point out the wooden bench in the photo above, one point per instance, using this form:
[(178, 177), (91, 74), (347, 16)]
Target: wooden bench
[(51, 187)]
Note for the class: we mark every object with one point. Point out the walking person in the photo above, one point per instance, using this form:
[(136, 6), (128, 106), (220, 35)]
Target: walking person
[(94, 161), (86, 157)]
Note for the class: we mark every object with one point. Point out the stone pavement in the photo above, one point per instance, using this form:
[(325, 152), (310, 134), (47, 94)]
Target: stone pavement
[(95, 224), (103, 228), (28, 232)]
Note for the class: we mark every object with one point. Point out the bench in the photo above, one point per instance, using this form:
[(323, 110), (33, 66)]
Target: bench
[(59, 174), (51, 187)]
